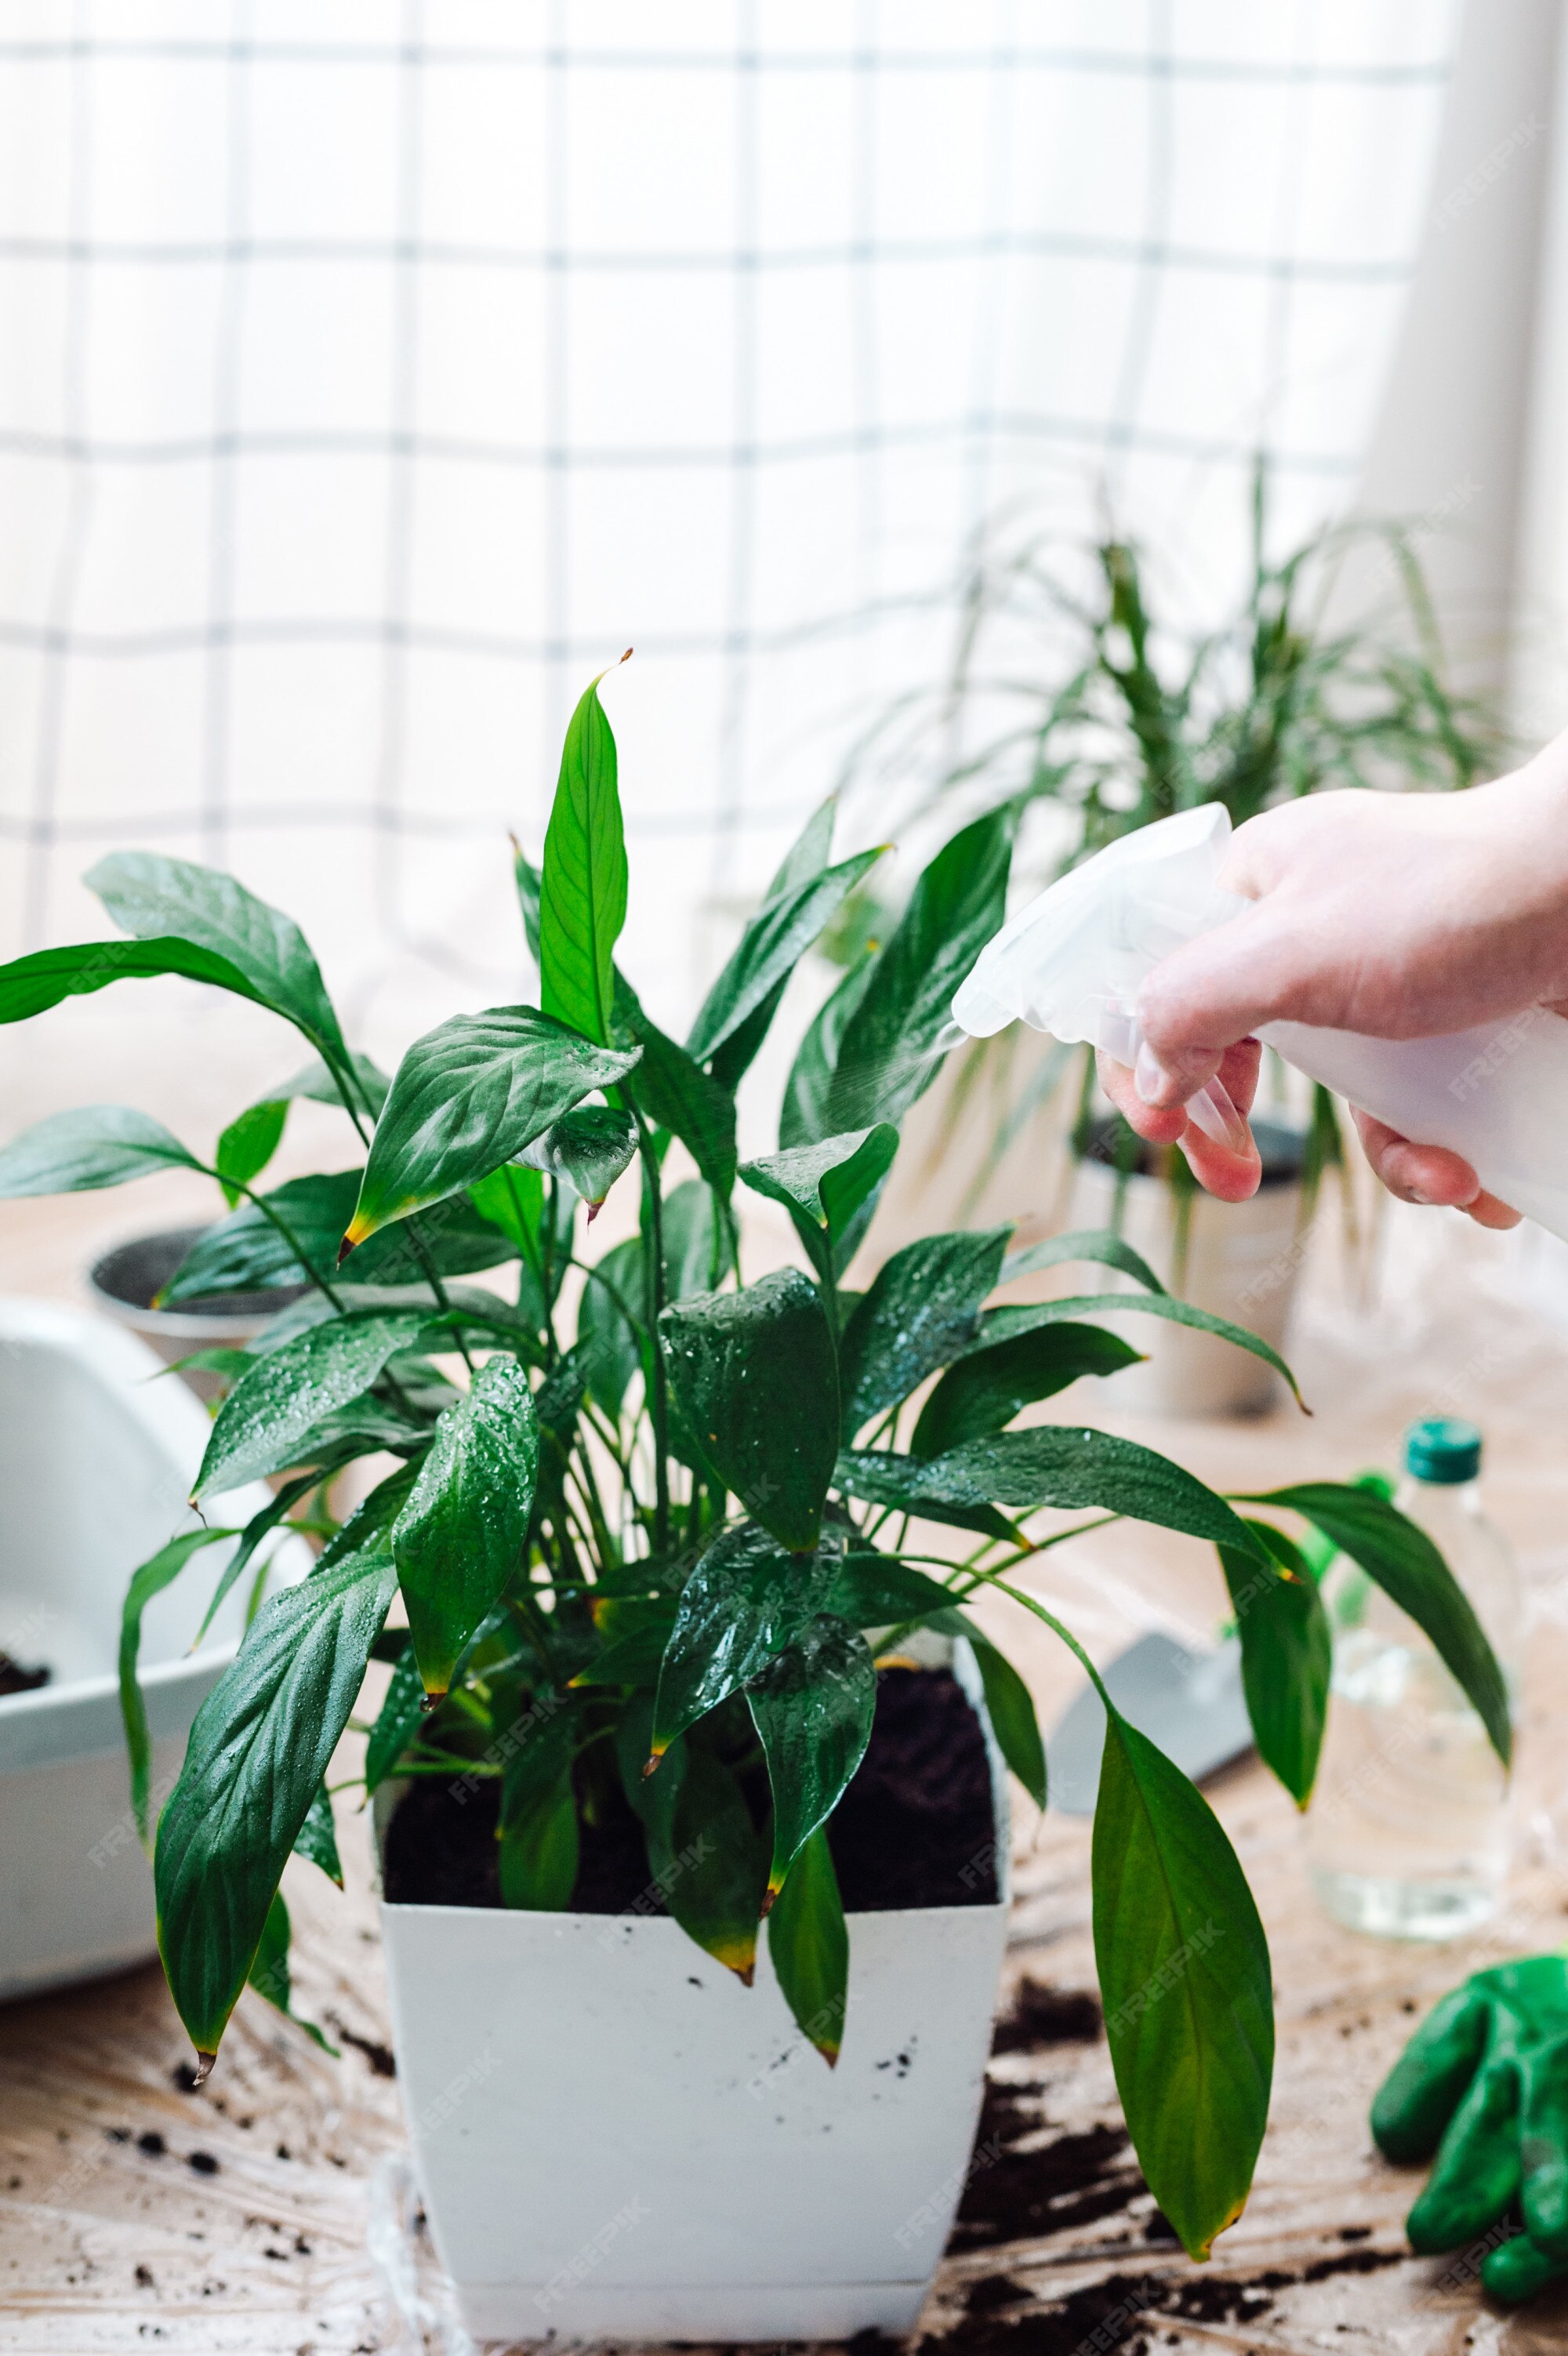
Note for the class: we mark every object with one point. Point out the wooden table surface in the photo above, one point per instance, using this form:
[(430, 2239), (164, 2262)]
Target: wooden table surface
[(273, 2212)]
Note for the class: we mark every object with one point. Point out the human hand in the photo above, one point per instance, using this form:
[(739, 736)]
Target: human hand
[(1399, 915), (1484, 2084)]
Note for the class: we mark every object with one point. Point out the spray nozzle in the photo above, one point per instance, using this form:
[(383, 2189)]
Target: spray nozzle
[(1073, 961)]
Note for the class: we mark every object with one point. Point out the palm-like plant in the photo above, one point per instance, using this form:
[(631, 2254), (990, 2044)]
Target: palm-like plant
[(1066, 689)]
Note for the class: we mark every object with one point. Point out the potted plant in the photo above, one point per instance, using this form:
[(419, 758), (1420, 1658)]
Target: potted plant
[(662, 1538), (1124, 721)]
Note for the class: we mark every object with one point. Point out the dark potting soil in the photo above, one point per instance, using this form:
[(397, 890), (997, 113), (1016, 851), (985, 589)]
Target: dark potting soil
[(915, 1828), (1017, 2196), (918, 1824), (16, 1679)]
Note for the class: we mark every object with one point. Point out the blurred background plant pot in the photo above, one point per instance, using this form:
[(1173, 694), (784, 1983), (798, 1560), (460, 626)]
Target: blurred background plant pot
[(1239, 1261), (125, 1284), (97, 1459)]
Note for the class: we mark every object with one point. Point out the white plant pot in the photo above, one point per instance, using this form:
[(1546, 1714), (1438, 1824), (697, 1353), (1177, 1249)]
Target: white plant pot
[(1242, 1262), (96, 1462), (617, 2141)]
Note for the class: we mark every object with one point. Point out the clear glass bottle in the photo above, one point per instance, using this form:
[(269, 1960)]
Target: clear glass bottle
[(1408, 1835)]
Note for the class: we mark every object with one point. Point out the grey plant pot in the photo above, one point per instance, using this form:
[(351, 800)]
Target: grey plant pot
[(124, 1282)]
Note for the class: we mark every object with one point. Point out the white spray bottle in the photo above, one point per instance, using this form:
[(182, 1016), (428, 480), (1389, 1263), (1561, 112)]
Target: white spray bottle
[(1073, 961)]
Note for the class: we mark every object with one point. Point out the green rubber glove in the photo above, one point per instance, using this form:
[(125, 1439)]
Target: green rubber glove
[(1484, 2084)]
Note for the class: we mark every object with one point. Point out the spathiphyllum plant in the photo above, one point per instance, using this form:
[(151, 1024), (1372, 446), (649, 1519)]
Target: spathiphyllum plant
[(653, 1525)]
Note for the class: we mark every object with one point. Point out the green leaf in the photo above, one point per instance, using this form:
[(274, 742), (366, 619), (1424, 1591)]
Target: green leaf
[(317, 1083), (877, 1590), (884, 1476), (671, 1090), (247, 1144), (399, 1718), (229, 1364), (457, 1240), (1183, 1974), (589, 1148), (464, 1527), (96, 1145), (538, 1852), (754, 1372), (1009, 1706), (259, 1527), (807, 857), (271, 1411), (1097, 1244), (1405, 1563), (809, 852), (582, 885), (694, 1241), (318, 1836), (633, 1659), (608, 1330), (707, 1859), (808, 1939), (986, 1389), (153, 897), (812, 1708), (269, 1974), (160, 1570), (803, 1115), (530, 889), (744, 1602), (888, 1055), (922, 1311), (539, 1227), (824, 1186), (467, 1097), (770, 949), (31, 985), (246, 1252), (258, 1751), (1002, 1325), (538, 1823), (1053, 1464), (1287, 1648)]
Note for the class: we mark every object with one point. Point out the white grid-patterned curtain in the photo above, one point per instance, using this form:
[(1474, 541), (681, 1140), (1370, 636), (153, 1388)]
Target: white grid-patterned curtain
[(371, 374)]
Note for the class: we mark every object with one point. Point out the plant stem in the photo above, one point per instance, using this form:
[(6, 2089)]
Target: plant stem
[(532, 1254), (653, 1279)]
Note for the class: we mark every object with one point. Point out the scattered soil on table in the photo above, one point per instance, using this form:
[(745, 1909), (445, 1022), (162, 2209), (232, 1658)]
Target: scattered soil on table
[(1015, 2195), (915, 1828), (1126, 2310), (381, 2057), (16, 1679), (1040, 2016)]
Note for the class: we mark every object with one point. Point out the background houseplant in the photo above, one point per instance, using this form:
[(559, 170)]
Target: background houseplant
[(662, 1542), (1071, 694)]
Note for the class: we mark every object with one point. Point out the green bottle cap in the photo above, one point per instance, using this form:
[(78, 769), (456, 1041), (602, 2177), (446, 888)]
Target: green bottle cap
[(1444, 1449)]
